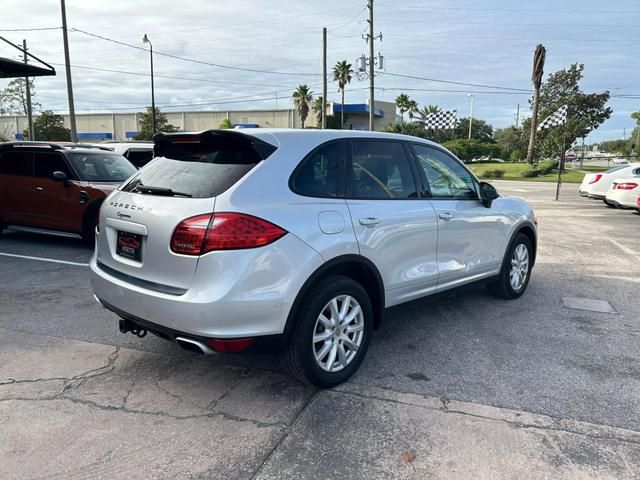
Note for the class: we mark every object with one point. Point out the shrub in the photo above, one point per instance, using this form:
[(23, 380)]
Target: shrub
[(467, 149), (531, 173), (496, 173), (516, 156), (547, 166)]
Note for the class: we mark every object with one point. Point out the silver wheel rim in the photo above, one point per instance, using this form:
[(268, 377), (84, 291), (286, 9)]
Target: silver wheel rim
[(338, 333), (519, 267)]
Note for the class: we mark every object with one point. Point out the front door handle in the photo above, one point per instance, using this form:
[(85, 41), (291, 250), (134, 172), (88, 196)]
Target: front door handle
[(37, 189), (369, 221), (445, 215)]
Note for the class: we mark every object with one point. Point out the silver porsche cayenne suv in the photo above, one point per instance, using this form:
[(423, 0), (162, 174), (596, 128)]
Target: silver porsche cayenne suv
[(296, 241)]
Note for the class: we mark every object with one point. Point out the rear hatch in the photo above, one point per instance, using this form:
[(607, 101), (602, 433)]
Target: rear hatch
[(137, 222)]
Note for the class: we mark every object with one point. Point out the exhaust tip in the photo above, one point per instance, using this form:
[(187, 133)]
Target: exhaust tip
[(194, 346)]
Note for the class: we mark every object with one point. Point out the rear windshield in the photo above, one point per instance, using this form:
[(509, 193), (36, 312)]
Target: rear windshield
[(101, 166), (615, 169), (200, 170)]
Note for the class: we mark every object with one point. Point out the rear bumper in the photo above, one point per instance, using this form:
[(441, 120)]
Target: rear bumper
[(595, 196), (234, 294)]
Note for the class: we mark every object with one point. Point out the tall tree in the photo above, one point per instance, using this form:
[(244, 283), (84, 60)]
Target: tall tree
[(402, 102), (511, 141), (302, 97), (13, 98), (412, 109), (317, 107), (635, 135), (536, 79), (342, 73), (586, 111), (49, 127), (146, 125)]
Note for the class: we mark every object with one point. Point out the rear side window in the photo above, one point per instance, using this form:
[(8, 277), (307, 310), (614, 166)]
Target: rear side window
[(139, 157), (380, 170), (201, 168), (101, 166), (16, 163), (44, 164), (319, 175)]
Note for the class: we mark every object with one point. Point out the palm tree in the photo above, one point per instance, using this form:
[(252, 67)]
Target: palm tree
[(317, 107), (301, 99), (402, 102), (342, 74), (412, 109)]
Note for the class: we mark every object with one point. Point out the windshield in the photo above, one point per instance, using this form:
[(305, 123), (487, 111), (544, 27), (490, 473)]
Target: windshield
[(101, 166)]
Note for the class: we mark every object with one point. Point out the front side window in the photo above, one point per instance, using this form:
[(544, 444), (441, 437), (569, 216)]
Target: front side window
[(16, 163), (445, 176), (44, 164), (101, 166), (380, 170), (319, 174)]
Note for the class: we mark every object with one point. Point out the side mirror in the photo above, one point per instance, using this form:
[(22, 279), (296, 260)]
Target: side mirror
[(59, 176), (488, 194)]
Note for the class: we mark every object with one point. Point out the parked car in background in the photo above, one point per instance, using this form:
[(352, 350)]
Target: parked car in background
[(619, 161), (50, 188), (624, 193), (297, 240), (596, 185), (138, 153)]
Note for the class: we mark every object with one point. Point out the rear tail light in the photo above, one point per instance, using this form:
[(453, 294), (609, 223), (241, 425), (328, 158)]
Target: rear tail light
[(627, 186), (596, 179), (639, 200), (223, 231)]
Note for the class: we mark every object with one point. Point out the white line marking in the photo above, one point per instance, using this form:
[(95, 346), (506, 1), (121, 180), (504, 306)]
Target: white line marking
[(626, 250), (51, 260)]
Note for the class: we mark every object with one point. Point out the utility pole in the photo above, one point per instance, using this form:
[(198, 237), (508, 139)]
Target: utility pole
[(323, 122), (518, 116), (371, 75), (145, 39), (67, 65), (28, 91), (470, 115)]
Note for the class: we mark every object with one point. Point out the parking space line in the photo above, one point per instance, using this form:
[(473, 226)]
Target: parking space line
[(51, 260), (625, 249)]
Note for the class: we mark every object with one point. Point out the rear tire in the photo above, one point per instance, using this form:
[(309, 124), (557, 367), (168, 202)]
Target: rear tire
[(331, 333), (516, 269)]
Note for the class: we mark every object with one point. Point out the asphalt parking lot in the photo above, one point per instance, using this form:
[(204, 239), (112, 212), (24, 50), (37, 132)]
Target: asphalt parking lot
[(462, 386)]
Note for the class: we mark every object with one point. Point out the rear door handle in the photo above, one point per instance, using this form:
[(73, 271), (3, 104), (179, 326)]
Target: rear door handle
[(37, 189), (369, 221), (445, 215)]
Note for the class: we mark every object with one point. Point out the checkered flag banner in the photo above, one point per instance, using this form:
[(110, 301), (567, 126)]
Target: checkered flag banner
[(441, 120), (559, 117)]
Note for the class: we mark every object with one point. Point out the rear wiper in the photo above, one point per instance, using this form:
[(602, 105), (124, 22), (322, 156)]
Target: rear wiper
[(160, 191)]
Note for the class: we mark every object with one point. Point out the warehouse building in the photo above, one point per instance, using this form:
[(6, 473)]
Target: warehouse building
[(96, 127)]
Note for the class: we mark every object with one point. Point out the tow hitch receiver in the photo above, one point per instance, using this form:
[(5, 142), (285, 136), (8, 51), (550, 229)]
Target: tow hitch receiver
[(133, 327)]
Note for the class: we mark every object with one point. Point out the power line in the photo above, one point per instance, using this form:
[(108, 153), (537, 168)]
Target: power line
[(452, 82), (528, 11), (191, 60), (36, 29)]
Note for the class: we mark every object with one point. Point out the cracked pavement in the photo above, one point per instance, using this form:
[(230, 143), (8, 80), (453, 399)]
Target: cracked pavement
[(472, 387)]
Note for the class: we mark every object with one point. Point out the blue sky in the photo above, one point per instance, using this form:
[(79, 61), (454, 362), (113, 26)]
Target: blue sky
[(489, 42)]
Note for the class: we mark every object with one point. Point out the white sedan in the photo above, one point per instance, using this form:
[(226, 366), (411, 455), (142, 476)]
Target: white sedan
[(624, 193), (596, 185)]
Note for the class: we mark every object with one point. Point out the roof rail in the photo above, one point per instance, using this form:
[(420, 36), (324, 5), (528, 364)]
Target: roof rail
[(51, 145)]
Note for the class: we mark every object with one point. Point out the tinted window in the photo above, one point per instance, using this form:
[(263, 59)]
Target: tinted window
[(16, 163), (446, 177), (318, 175), (380, 170), (44, 164), (200, 169), (139, 157), (101, 166)]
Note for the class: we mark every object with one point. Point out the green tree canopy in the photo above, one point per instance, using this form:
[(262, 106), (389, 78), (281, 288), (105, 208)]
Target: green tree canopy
[(587, 111), (13, 98), (512, 141), (49, 127), (403, 103), (302, 97), (146, 125), (480, 130), (317, 107), (226, 123)]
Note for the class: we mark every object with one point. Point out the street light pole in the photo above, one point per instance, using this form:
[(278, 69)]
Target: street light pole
[(471, 115), (145, 39)]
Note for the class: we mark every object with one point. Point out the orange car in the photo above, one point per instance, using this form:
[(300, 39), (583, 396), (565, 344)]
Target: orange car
[(56, 189)]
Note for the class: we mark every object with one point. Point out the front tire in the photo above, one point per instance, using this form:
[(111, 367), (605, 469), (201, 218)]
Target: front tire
[(516, 269), (331, 333)]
